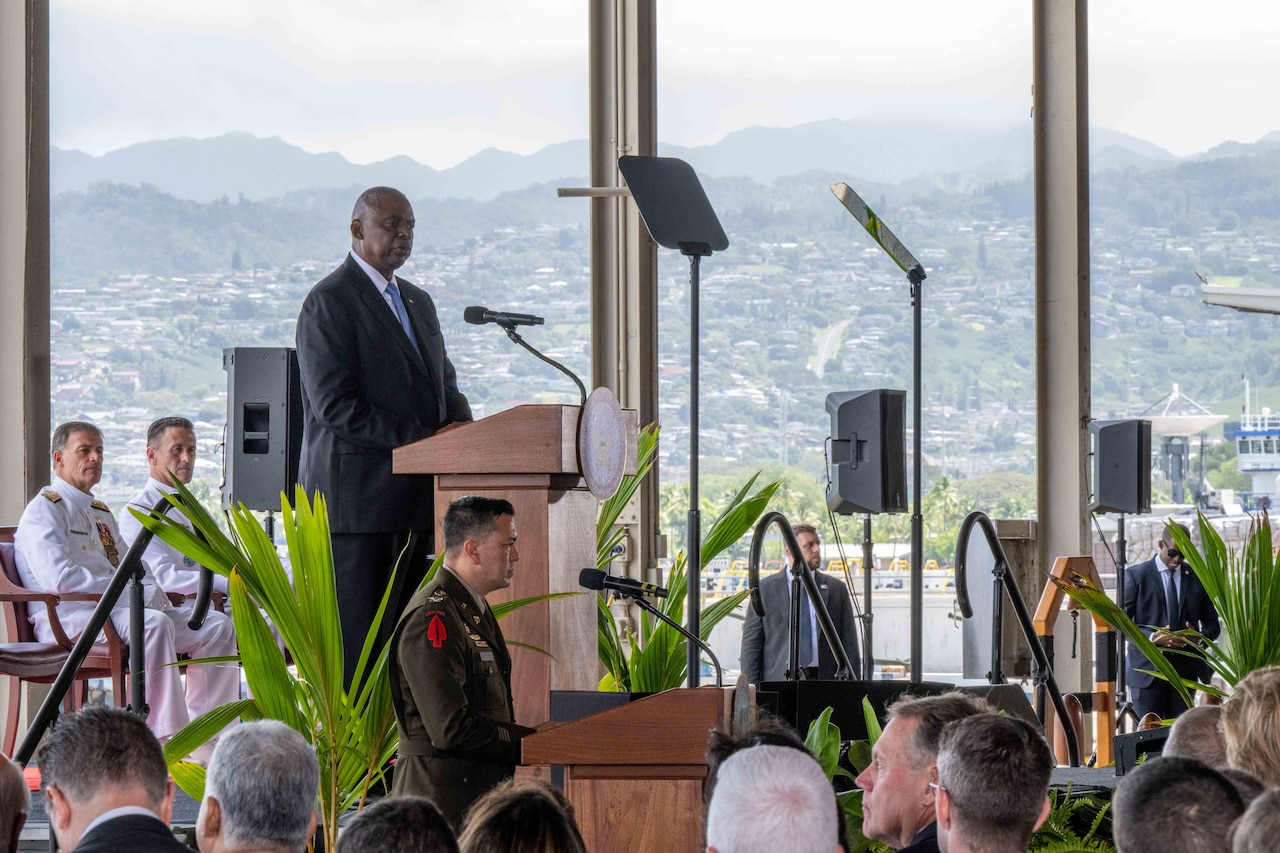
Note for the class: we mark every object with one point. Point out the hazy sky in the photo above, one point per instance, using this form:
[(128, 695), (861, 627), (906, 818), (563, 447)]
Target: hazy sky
[(439, 80)]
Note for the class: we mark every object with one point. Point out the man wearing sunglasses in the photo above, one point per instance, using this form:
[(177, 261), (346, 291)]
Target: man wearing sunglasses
[(1164, 596)]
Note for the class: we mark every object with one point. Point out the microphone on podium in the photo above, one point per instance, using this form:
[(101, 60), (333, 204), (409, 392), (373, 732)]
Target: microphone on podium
[(478, 316), (596, 579)]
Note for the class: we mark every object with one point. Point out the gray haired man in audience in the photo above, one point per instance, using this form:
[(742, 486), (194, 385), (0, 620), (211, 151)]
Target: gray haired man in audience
[(898, 786), (769, 799), (993, 785), (1174, 805), (260, 792)]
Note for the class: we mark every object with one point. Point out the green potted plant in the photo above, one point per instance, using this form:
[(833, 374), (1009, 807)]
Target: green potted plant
[(1244, 586)]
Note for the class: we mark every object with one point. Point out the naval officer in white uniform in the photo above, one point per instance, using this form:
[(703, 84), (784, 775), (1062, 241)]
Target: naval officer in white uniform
[(171, 447), (68, 542)]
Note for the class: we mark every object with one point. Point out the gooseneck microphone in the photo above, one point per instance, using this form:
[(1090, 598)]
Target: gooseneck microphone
[(478, 316), (636, 591), (596, 579)]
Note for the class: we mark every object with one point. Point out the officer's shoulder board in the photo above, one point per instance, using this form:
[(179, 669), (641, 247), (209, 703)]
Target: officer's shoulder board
[(51, 495), (439, 595), (102, 505)]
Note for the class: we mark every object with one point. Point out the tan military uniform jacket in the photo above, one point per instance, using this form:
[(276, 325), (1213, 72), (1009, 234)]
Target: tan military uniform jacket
[(451, 688)]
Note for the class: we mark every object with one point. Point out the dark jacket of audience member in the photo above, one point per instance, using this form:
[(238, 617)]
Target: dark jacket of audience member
[(1174, 805), (398, 825), (521, 817)]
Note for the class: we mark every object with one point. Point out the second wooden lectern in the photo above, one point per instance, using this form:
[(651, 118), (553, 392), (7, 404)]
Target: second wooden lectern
[(529, 455), (634, 773)]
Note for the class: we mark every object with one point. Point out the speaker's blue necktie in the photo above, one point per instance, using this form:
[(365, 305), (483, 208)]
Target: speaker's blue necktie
[(394, 292)]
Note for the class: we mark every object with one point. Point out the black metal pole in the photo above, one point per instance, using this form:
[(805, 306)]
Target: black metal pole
[(996, 675), (48, 710), (137, 648), (868, 566), (794, 667), (916, 276), (694, 553), (1123, 706)]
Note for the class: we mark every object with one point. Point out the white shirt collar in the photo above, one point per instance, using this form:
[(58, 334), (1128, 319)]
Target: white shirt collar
[(161, 487), (123, 811), (76, 496), (379, 280)]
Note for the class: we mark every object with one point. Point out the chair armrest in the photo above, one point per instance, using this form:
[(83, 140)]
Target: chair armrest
[(177, 599)]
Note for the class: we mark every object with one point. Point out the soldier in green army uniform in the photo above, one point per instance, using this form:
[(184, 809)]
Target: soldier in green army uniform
[(450, 670)]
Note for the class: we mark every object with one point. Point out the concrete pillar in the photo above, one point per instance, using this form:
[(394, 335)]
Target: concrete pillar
[(24, 259), (1061, 113), (624, 261), (24, 253)]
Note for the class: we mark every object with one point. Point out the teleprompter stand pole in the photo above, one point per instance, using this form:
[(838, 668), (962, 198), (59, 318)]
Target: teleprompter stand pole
[(676, 211), (916, 275)]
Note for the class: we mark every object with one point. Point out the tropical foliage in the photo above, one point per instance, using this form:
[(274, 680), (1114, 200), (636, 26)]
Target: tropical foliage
[(353, 732), (655, 659), (1244, 587)]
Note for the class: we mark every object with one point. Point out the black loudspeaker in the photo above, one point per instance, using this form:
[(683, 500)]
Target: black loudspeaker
[(1121, 466), (264, 426), (868, 451)]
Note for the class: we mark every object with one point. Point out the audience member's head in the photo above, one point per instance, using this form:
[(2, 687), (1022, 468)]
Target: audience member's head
[(1248, 786), (993, 784), (398, 825), (1174, 805), (15, 803), (1258, 830), (772, 798), (260, 791), (521, 817), (897, 800), (767, 730), (1196, 734), (1251, 725), (97, 760)]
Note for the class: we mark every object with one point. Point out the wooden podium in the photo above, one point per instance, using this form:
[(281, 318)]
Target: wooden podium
[(529, 455), (634, 773)]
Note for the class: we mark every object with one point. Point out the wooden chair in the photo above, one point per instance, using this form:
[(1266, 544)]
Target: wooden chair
[(24, 659)]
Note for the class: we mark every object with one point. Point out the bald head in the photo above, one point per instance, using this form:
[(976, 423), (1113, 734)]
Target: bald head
[(382, 229)]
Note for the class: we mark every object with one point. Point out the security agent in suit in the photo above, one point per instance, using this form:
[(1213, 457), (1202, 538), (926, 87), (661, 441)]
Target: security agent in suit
[(1149, 600), (450, 670), (106, 785), (374, 376), (766, 642)]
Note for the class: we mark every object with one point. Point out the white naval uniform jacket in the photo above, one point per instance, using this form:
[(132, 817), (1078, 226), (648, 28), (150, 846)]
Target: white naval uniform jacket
[(68, 541)]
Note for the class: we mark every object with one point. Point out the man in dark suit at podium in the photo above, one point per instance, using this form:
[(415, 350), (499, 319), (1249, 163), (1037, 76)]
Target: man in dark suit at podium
[(766, 642), (1164, 592), (375, 376)]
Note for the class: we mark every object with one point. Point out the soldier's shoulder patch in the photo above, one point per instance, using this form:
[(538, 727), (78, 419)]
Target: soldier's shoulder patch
[(102, 505), (51, 495), (439, 595)]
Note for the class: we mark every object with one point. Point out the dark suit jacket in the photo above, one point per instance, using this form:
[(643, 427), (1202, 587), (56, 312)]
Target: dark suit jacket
[(766, 643), (925, 841), (365, 392), (131, 834), (1144, 602)]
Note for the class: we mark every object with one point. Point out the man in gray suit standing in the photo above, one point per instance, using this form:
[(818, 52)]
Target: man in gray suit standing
[(765, 642)]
